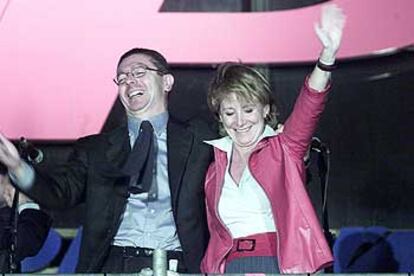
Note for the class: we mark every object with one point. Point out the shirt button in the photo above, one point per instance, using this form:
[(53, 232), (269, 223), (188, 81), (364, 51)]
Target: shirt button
[(152, 211)]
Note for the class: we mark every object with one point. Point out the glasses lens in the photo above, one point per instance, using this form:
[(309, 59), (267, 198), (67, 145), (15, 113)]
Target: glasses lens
[(138, 72), (121, 79)]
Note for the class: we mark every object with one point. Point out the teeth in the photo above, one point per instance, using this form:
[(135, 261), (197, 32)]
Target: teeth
[(243, 129), (135, 93)]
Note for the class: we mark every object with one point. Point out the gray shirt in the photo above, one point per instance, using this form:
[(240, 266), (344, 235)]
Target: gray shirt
[(146, 222), (148, 219)]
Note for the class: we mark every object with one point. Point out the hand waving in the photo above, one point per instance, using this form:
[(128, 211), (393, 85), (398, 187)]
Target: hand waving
[(9, 156), (329, 31)]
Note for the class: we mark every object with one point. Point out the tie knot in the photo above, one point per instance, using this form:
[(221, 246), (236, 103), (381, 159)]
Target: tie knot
[(146, 126)]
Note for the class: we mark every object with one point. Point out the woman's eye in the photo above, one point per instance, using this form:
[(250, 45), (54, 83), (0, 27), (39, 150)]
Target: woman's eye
[(248, 110), (229, 113)]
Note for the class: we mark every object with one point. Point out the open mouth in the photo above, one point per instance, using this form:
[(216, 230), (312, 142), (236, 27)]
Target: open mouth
[(135, 93)]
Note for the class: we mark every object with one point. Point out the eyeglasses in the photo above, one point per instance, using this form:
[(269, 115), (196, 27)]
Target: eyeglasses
[(136, 72)]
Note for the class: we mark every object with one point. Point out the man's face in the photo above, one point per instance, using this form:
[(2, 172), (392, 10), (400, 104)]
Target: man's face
[(145, 95)]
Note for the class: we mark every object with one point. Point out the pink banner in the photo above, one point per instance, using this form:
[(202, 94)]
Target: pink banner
[(57, 58)]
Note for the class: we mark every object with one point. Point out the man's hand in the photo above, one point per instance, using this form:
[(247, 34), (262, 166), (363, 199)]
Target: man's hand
[(9, 156), (8, 190)]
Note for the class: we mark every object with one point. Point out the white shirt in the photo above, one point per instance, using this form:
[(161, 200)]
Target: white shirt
[(245, 208)]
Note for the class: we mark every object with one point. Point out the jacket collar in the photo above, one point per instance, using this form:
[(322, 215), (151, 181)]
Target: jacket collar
[(225, 143), (119, 145), (158, 122), (179, 143)]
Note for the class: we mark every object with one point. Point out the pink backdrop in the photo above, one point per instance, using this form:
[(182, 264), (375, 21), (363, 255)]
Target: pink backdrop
[(57, 58)]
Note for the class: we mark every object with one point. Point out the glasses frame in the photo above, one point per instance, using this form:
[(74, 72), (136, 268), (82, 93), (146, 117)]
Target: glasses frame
[(146, 69)]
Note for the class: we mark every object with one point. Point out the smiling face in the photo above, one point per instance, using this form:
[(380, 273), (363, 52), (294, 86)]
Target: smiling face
[(244, 121), (242, 90), (144, 96)]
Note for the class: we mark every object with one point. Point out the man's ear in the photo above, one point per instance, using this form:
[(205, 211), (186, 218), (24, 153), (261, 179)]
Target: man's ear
[(168, 81)]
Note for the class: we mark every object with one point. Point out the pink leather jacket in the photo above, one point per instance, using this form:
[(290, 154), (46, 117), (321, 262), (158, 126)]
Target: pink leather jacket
[(277, 164)]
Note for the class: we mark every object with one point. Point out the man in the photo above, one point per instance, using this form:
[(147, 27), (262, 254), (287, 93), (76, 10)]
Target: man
[(32, 226), (125, 218)]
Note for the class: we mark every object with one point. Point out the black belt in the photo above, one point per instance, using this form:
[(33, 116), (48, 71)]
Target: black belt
[(130, 251)]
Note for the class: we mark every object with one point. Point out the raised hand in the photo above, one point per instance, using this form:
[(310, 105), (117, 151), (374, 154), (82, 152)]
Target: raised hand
[(329, 31), (7, 190), (9, 156)]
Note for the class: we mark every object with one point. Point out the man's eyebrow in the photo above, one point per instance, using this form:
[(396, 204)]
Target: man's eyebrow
[(139, 64), (134, 65)]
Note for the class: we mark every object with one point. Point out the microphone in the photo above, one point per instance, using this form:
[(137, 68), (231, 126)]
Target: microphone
[(318, 146), (30, 152)]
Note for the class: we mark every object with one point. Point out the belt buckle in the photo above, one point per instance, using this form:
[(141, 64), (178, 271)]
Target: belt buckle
[(250, 245), (148, 252)]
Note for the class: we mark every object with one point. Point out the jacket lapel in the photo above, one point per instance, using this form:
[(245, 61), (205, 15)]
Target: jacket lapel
[(117, 151), (179, 143)]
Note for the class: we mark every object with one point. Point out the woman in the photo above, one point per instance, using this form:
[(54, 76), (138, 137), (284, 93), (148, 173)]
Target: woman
[(260, 217)]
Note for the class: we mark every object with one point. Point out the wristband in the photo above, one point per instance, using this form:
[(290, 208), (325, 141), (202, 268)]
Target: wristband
[(325, 67)]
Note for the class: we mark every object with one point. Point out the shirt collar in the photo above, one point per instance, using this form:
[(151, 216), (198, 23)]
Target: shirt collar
[(225, 143), (158, 122)]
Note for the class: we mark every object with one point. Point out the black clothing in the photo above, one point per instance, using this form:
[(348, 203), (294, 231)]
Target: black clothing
[(133, 259), (94, 175), (32, 230)]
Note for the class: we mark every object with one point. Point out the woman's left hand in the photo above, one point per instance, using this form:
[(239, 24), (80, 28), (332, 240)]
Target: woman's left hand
[(329, 31)]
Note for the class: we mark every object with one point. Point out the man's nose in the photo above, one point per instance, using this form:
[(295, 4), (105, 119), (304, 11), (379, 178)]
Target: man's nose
[(130, 79)]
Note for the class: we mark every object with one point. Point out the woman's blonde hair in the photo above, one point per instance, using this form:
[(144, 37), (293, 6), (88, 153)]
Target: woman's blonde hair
[(246, 83)]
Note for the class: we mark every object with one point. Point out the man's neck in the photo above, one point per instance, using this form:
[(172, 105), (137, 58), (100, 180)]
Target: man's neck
[(158, 121)]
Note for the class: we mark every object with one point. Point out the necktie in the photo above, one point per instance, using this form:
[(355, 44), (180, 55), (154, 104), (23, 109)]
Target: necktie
[(140, 163)]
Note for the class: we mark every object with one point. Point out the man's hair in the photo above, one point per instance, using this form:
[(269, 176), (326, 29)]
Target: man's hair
[(246, 83), (158, 59)]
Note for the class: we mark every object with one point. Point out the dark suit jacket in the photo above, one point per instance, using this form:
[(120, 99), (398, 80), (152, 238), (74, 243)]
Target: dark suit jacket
[(32, 229), (92, 175)]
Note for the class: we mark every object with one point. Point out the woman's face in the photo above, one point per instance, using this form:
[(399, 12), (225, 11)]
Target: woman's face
[(243, 121)]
